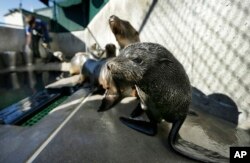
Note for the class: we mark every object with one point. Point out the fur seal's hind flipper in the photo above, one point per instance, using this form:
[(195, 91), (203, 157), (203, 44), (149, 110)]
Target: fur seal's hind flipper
[(148, 128), (137, 111), (191, 150)]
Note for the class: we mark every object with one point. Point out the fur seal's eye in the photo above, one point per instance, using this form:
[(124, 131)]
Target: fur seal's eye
[(137, 60)]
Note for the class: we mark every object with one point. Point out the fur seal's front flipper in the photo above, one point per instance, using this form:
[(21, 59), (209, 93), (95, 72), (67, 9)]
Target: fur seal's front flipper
[(109, 101), (148, 128), (192, 113), (137, 111), (99, 90)]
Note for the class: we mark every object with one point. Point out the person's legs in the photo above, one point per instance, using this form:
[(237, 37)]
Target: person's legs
[(35, 47)]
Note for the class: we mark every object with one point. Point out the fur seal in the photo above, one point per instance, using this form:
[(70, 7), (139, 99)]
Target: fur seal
[(80, 58), (164, 91), (77, 62), (124, 32)]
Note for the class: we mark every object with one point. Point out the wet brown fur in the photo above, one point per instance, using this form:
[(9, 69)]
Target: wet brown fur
[(124, 32)]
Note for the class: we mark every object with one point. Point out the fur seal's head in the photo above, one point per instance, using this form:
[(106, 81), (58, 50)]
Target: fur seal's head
[(110, 50), (136, 60), (124, 32)]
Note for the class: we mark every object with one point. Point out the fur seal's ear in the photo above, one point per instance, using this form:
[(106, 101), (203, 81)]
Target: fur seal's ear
[(165, 60)]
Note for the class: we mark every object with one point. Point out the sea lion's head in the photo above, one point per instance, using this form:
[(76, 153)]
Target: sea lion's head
[(124, 32), (135, 61)]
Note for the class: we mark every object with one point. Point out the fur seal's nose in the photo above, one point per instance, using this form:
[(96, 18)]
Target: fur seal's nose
[(112, 18)]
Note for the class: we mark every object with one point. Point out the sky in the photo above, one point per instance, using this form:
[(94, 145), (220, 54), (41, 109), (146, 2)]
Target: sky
[(29, 5)]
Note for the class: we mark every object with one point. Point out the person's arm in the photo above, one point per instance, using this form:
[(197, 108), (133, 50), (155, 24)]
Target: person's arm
[(46, 38)]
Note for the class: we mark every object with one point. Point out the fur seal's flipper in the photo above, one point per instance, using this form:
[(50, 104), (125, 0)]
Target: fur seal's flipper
[(184, 147), (108, 102), (148, 128), (192, 113), (99, 90), (137, 111)]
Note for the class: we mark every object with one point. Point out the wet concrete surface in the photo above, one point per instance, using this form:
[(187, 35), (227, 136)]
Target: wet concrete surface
[(91, 136), (213, 133)]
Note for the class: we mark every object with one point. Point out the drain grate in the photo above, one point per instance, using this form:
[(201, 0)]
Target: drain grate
[(39, 115), (33, 108)]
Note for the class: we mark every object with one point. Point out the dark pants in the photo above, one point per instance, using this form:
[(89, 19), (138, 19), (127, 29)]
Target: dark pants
[(35, 46)]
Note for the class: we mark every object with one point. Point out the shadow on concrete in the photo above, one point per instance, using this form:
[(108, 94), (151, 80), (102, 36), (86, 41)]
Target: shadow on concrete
[(217, 104), (205, 130)]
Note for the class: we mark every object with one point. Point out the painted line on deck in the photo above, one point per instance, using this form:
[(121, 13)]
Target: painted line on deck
[(48, 140)]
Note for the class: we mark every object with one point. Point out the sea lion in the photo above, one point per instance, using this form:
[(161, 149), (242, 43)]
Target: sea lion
[(164, 91), (124, 32)]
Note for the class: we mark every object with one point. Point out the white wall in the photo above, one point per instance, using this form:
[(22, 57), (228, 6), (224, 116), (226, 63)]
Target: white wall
[(14, 18), (212, 39), (132, 10)]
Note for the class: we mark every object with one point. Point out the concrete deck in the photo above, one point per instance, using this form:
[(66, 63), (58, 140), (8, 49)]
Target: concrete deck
[(76, 132)]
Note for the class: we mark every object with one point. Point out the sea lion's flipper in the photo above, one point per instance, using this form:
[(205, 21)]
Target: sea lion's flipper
[(137, 111), (148, 128), (108, 102)]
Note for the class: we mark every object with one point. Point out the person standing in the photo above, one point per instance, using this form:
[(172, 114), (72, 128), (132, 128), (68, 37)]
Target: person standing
[(36, 32)]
